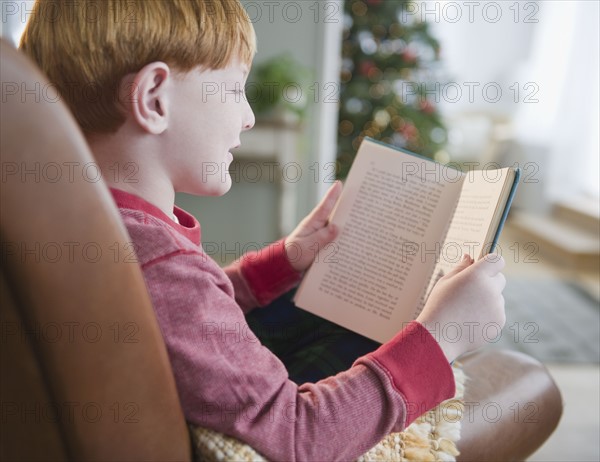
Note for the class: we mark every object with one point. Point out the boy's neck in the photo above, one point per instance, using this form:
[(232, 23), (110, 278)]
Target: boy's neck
[(133, 170)]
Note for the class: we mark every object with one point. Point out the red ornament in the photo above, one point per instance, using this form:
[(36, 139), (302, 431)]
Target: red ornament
[(365, 67), (408, 56), (426, 106), (409, 131)]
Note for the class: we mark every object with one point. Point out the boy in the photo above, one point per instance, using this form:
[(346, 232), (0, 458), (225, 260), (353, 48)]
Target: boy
[(152, 111)]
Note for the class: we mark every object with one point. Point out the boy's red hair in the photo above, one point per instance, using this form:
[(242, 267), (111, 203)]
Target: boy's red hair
[(86, 47)]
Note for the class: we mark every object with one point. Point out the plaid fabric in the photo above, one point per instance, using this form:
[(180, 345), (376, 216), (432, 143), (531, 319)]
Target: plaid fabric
[(310, 347)]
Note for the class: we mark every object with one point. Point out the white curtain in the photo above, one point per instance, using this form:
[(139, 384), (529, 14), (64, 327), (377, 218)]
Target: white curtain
[(565, 121)]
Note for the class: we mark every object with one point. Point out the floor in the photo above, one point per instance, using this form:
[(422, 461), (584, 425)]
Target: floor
[(551, 319), (578, 433), (577, 437)]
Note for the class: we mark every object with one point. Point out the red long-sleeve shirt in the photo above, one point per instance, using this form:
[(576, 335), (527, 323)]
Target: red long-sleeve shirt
[(231, 383)]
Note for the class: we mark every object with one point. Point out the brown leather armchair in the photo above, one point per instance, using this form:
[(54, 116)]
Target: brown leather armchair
[(85, 374)]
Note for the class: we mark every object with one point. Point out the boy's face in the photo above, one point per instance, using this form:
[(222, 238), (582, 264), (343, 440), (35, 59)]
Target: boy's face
[(209, 110)]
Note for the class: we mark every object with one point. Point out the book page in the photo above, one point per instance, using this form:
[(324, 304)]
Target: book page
[(475, 220), (391, 213)]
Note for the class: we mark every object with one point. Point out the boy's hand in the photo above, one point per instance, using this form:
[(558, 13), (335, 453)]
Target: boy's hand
[(314, 232), (468, 300)]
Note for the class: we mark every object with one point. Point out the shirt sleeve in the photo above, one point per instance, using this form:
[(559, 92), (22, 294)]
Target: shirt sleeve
[(231, 383), (259, 277)]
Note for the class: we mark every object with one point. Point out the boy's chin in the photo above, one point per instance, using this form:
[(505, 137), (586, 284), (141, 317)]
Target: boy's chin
[(214, 190), (209, 185), (223, 187), (222, 191)]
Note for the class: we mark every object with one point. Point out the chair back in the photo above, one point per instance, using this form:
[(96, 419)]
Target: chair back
[(85, 372)]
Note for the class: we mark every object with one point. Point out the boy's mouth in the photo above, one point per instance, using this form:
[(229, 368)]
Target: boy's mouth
[(231, 149)]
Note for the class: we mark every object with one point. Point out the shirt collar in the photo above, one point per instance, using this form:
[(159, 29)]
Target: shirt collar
[(188, 226)]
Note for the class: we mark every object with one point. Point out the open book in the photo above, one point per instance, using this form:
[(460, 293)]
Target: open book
[(404, 221)]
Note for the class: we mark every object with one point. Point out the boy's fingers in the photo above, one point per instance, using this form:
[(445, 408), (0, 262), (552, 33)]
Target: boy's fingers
[(326, 234), (324, 208), (491, 264), (320, 238), (500, 281), (465, 262)]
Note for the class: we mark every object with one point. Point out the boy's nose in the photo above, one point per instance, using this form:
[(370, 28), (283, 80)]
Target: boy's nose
[(249, 119)]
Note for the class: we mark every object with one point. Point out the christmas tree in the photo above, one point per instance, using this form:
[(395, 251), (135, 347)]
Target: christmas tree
[(390, 63)]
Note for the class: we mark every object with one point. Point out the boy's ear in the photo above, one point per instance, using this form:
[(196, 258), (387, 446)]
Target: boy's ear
[(148, 105)]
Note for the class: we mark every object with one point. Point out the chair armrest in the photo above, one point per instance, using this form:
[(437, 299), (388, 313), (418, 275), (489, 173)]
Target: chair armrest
[(512, 406)]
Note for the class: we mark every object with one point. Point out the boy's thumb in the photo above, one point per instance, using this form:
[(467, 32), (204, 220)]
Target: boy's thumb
[(327, 233), (464, 263)]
